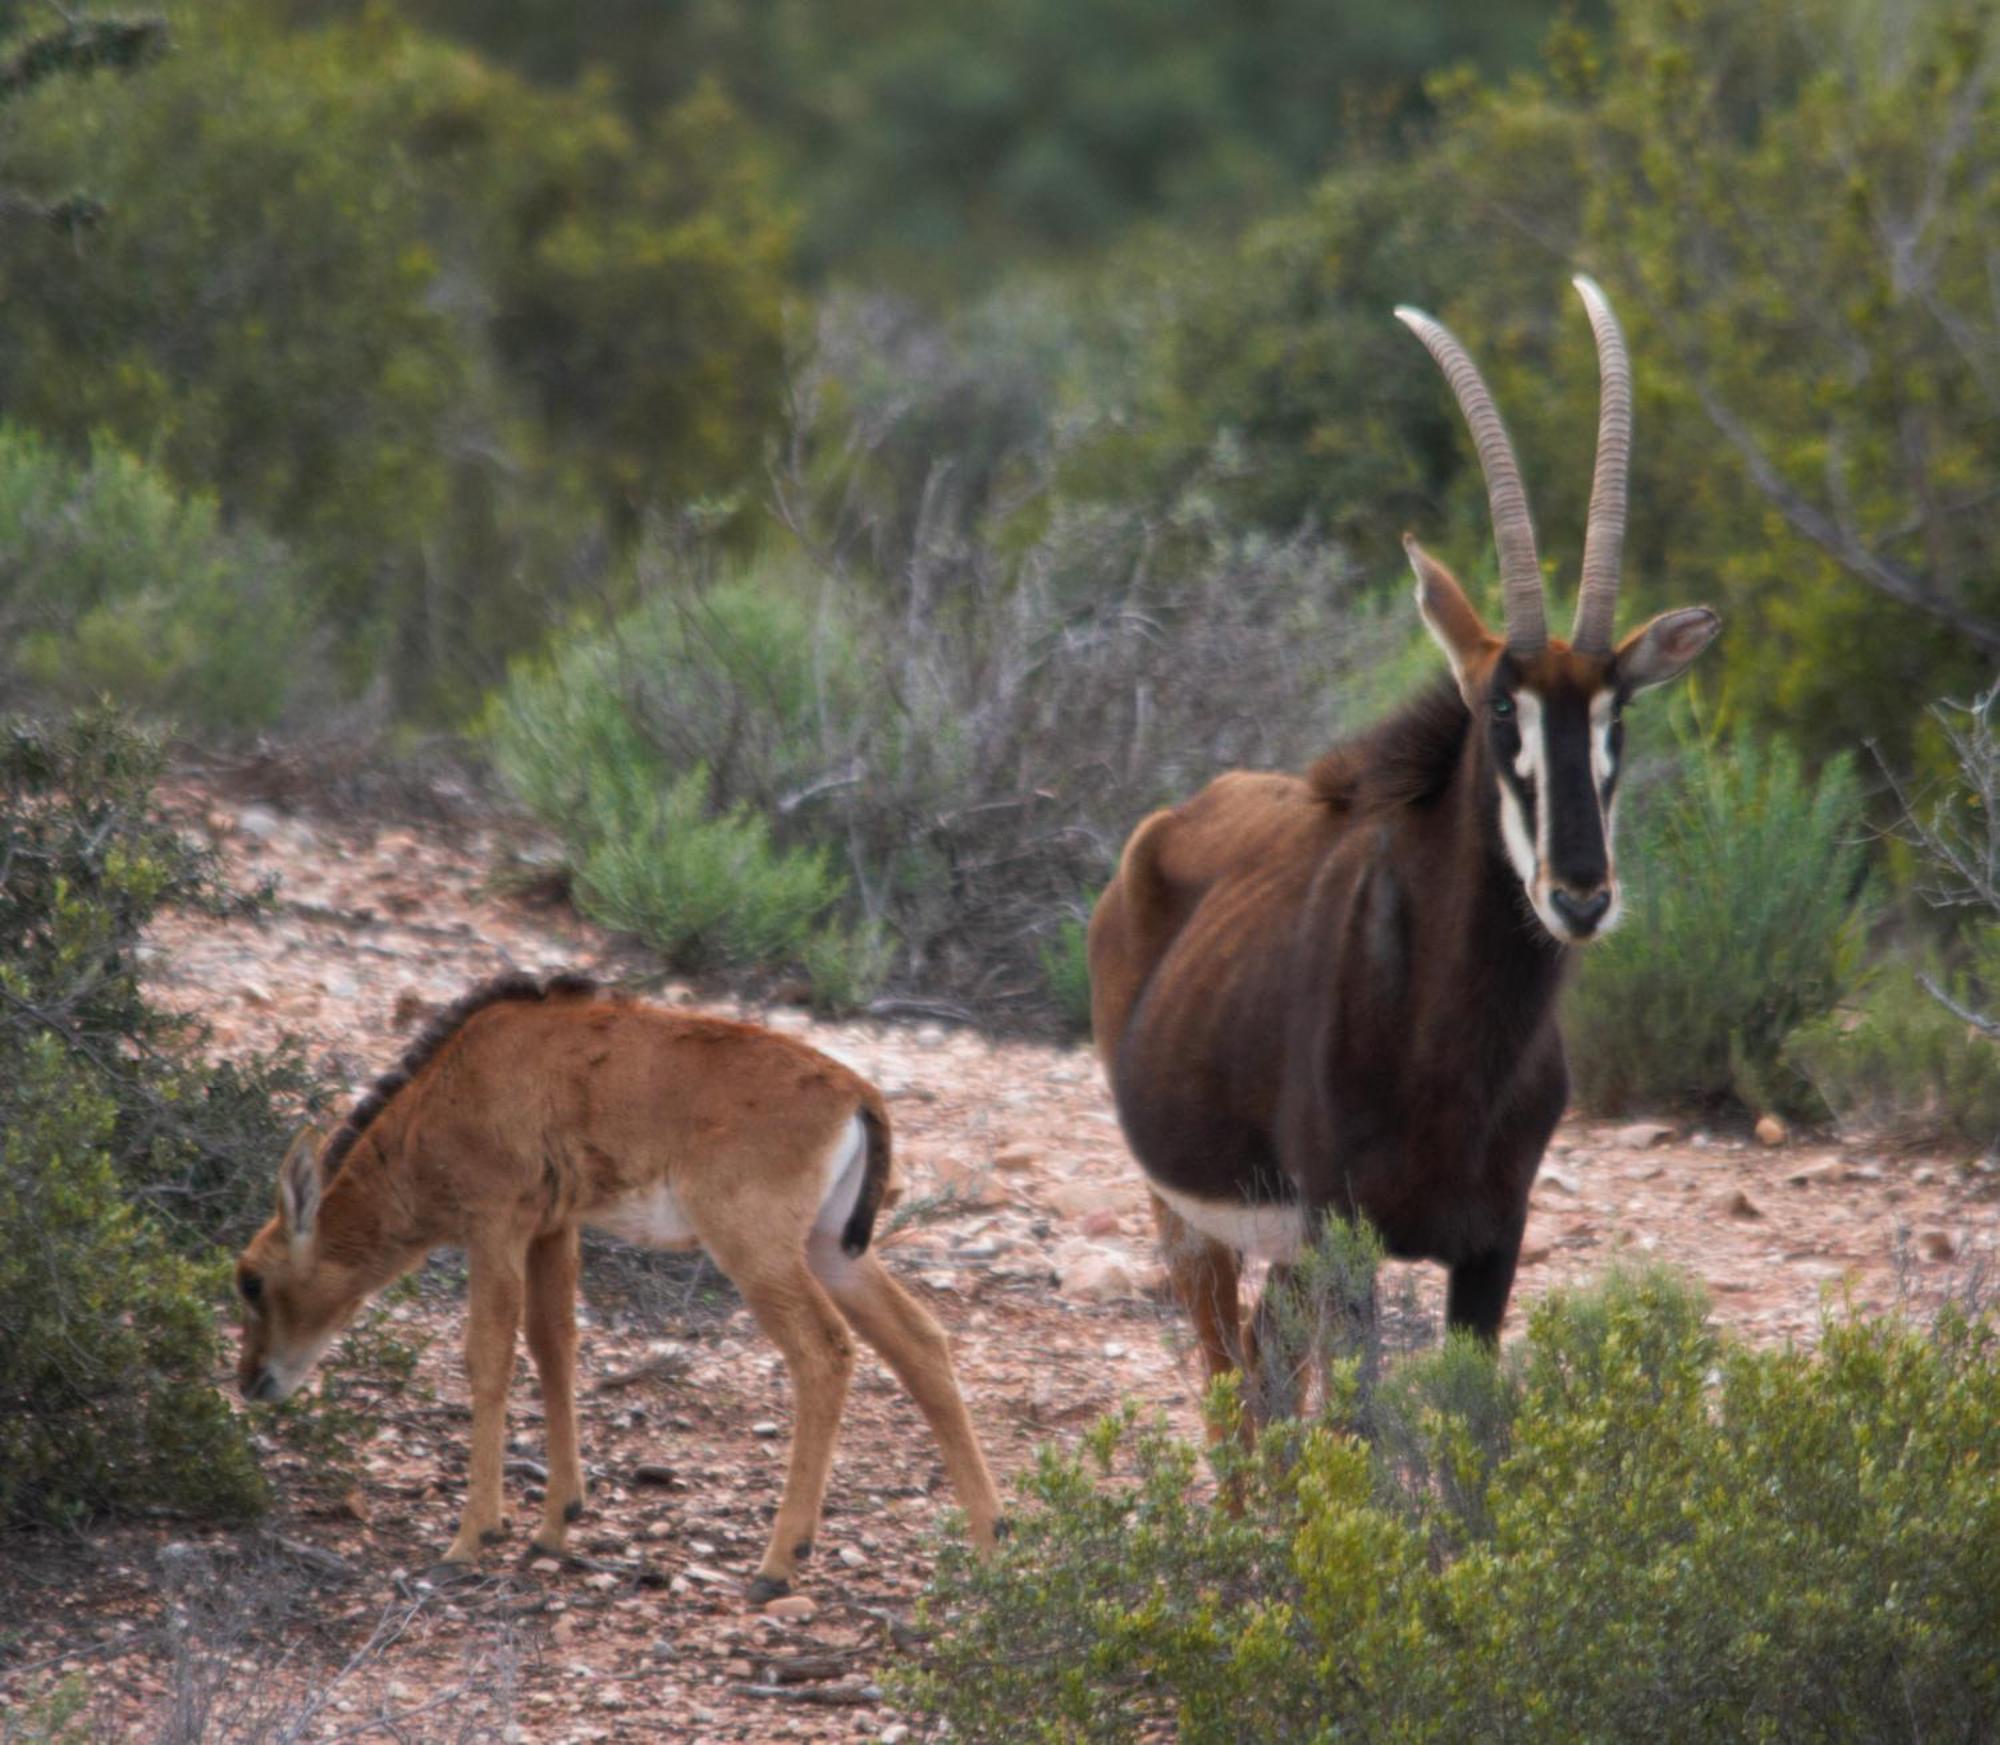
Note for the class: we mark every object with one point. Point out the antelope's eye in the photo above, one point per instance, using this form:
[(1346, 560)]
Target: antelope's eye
[(1503, 707), (251, 1286)]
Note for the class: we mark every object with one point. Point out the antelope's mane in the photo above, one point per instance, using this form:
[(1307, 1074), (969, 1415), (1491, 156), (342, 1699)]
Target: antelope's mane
[(502, 989), (1405, 760)]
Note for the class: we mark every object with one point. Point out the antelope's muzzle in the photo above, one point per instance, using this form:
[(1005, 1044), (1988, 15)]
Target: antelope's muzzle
[(1581, 914)]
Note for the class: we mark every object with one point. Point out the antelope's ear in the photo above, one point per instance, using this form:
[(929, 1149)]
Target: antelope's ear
[(1448, 616), (298, 1187), (1664, 648)]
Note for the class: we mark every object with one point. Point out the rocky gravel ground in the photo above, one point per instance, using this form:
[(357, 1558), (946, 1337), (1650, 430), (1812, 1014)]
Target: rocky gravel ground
[(1024, 1228)]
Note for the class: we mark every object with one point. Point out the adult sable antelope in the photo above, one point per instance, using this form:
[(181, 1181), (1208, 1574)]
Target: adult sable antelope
[(529, 1110), (1337, 991)]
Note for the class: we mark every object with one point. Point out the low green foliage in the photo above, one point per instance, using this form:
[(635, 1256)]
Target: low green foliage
[(107, 1396), (700, 887), (846, 966), (111, 582), (54, 1715), (1745, 902), (89, 864), (124, 1159), (1066, 965), (1631, 1530), (1901, 1065)]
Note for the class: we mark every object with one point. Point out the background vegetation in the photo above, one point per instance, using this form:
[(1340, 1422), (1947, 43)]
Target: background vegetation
[(841, 465), (845, 466)]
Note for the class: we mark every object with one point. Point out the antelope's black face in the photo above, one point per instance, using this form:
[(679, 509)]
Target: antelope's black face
[(1552, 721), (1555, 733)]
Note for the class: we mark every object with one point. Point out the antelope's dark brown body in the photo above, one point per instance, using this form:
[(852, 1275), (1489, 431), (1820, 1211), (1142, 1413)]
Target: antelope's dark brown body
[(1327, 993), (1336, 992)]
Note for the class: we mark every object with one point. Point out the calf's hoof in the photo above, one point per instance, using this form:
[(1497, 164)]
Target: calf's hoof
[(765, 1588)]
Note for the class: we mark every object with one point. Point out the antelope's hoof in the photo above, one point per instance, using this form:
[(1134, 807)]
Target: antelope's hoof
[(765, 1588)]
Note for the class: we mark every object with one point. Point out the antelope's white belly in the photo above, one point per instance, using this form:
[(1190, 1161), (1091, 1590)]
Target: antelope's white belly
[(1264, 1232), (653, 1217)]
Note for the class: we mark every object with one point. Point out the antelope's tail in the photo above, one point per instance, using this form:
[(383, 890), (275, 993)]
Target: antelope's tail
[(860, 1229)]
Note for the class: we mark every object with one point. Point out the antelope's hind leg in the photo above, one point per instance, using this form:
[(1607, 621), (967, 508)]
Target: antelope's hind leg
[(914, 1346), (552, 1270), (492, 1318), (769, 1267)]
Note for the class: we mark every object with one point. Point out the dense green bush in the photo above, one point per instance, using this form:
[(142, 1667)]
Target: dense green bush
[(89, 862), (701, 887), (1899, 1064), (1632, 1530), (446, 333), (113, 583), (124, 1159), (658, 748), (1745, 903), (107, 1374), (944, 142)]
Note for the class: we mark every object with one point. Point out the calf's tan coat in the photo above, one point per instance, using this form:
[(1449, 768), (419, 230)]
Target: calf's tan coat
[(529, 1111)]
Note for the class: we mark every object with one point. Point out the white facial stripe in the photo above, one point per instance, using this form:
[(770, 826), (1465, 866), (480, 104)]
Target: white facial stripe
[(1532, 762), (1514, 835), (1602, 764)]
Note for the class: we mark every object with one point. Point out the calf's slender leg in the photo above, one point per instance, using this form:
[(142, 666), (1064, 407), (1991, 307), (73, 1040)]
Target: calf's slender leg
[(551, 1280), (915, 1347), (492, 1317), (769, 1267)]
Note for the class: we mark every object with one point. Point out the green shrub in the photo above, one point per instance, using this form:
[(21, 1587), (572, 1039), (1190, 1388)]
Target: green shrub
[(1901, 1065), (701, 888), (1066, 965), (846, 966), (1745, 904), (107, 1392), (112, 582), (124, 1159), (1632, 1530), (89, 865)]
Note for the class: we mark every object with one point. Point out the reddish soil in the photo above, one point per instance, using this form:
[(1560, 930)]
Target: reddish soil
[(1032, 1244)]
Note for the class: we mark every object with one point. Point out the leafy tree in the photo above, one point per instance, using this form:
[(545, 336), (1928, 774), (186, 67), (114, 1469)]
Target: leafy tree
[(75, 46), (1788, 204), (937, 143), (426, 322)]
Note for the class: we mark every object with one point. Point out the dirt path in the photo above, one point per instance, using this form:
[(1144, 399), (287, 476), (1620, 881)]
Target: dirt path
[(1033, 1247)]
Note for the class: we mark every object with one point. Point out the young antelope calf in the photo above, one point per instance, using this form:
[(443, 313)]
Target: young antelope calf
[(527, 1111)]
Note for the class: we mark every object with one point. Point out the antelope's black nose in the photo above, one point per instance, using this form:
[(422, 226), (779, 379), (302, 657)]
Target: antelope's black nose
[(1581, 913)]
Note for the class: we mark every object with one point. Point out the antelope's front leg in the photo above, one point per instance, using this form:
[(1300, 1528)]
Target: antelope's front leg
[(552, 1269), (493, 1315)]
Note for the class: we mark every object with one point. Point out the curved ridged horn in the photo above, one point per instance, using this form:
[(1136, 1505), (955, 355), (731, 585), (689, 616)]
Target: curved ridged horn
[(1604, 534), (1513, 532)]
